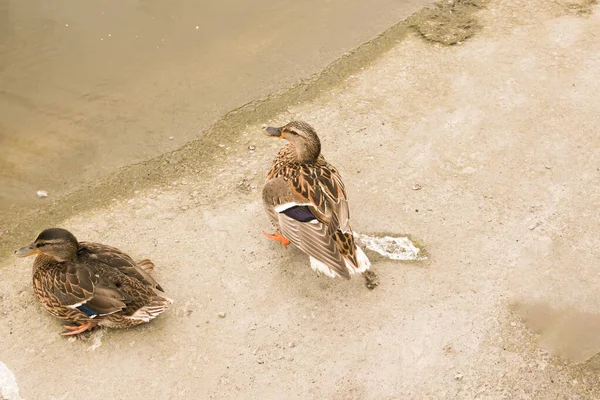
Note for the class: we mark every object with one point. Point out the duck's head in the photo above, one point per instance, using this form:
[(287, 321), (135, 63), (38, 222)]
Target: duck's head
[(57, 243), (302, 137)]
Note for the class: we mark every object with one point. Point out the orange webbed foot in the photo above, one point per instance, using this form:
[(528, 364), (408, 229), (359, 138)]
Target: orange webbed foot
[(276, 236), (77, 329)]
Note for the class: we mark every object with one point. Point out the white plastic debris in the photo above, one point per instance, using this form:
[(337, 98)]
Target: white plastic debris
[(42, 193), (97, 341), (9, 389), (394, 248)]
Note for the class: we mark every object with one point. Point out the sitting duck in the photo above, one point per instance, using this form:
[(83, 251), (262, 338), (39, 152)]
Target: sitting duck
[(91, 284)]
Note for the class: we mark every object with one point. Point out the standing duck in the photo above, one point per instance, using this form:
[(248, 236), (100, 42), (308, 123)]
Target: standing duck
[(305, 199), (91, 284)]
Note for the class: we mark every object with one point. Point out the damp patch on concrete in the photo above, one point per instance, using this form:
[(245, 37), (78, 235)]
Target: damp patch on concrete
[(566, 332), (399, 248), (450, 22), (578, 7), (9, 390)]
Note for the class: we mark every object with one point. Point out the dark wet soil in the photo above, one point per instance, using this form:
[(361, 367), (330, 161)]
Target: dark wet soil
[(449, 22)]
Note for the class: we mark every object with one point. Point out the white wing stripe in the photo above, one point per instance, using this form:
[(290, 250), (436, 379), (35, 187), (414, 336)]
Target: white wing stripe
[(282, 207)]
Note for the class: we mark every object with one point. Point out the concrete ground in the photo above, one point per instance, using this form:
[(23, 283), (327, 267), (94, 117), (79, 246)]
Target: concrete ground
[(499, 131)]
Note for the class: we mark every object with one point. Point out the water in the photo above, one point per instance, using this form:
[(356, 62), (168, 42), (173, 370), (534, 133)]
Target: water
[(87, 87)]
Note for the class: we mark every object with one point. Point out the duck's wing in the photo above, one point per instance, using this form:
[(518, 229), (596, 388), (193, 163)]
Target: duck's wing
[(328, 181), (305, 216), (115, 258), (76, 286)]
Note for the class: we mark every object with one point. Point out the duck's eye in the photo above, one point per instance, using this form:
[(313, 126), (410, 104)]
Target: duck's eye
[(292, 132), (40, 244)]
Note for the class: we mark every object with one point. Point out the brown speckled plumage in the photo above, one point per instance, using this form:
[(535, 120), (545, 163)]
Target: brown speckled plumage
[(92, 283), (299, 174)]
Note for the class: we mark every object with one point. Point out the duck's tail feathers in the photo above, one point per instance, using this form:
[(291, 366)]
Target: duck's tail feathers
[(319, 267), (158, 305), (146, 265), (362, 262)]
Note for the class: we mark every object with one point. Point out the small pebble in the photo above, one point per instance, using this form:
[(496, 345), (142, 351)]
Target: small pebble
[(197, 26), (416, 186), (291, 345), (251, 148), (171, 138), (42, 193), (458, 376), (513, 324), (221, 315)]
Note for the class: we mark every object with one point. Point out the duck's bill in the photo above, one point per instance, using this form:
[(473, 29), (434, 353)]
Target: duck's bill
[(274, 132), (27, 251)]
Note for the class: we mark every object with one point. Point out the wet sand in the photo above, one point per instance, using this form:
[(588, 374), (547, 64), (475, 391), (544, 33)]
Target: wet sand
[(86, 89)]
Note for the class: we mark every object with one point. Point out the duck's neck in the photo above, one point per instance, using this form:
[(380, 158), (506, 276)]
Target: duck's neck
[(46, 262), (306, 152), (43, 263)]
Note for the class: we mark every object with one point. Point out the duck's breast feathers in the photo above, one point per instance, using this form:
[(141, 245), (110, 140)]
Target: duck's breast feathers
[(115, 258)]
